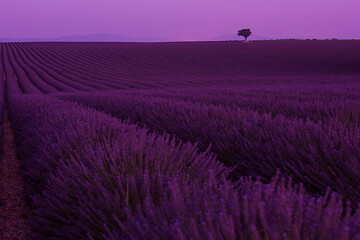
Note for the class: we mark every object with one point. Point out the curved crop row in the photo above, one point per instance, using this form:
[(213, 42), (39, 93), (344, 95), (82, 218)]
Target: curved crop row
[(317, 155), (66, 75), (89, 71), (43, 73), (318, 104), (38, 76), (108, 66), (92, 67), (168, 65), (39, 82), (12, 84), (90, 176), (21, 77), (53, 134)]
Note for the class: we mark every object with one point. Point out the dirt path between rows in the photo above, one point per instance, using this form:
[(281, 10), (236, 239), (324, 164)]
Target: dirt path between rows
[(13, 209)]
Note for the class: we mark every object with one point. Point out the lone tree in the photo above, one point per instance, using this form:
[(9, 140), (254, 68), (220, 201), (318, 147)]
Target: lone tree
[(245, 33)]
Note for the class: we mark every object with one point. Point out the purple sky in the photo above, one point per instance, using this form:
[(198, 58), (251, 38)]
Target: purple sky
[(180, 19)]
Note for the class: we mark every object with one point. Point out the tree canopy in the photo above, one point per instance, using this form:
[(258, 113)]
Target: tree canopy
[(245, 33)]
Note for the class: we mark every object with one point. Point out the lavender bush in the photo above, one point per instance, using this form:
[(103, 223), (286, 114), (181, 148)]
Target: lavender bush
[(91, 176), (115, 146), (319, 155), (318, 104), (146, 162)]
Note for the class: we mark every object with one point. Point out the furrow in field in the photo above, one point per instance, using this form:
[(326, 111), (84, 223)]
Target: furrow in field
[(72, 67), (96, 71), (128, 78), (130, 68), (69, 71), (26, 83), (41, 72), (49, 69), (12, 84), (146, 62), (49, 58), (131, 73), (43, 84)]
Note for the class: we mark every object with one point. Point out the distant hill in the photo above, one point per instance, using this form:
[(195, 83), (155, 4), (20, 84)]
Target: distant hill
[(18, 39), (235, 37), (98, 37), (104, 37)]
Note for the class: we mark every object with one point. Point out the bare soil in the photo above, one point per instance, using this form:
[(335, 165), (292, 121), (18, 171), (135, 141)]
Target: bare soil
[(13, 209)]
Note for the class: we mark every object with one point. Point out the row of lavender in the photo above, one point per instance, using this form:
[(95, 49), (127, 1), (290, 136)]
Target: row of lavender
[(39, 73), (316, 103), (91, 176), (319, 155), (25, 77), (72, 67), (46, 71), (43, 70)]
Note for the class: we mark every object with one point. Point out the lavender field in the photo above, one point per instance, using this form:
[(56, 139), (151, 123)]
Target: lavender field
[(191, 140)]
